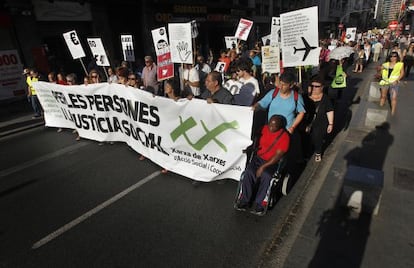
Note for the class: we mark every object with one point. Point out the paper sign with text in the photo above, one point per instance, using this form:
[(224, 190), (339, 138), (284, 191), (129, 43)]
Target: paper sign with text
[(127, 47), (243, 29), (98, 51), (181, 44)]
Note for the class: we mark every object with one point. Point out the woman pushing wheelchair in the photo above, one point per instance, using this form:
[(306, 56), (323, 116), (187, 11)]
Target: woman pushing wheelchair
[(273, 145)]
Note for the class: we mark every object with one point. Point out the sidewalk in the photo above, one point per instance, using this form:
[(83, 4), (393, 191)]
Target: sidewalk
[(15, 116), (332, 236)]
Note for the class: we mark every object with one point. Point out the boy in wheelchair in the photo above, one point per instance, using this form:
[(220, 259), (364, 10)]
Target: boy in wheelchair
[(273, 145)]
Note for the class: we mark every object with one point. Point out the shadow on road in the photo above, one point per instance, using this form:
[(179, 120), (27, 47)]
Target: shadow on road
[(344, 233)]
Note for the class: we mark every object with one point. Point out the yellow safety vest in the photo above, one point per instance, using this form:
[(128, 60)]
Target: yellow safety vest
[(29, 81), (395, 74)]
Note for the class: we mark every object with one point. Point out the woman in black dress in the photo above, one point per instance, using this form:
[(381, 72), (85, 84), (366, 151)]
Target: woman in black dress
[(320, 116)]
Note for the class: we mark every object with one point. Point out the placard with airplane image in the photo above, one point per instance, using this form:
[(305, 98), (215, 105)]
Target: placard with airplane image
[(300, 38), (98, 51)]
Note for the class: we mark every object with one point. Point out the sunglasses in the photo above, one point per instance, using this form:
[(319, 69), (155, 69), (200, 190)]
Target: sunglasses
[(131, 78), (315, 86), (94, 76)]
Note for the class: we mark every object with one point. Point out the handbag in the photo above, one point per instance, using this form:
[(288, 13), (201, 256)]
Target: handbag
[(339, 80), (309, 126)]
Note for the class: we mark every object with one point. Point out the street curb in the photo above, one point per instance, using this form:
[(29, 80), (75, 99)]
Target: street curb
[(16, 130)]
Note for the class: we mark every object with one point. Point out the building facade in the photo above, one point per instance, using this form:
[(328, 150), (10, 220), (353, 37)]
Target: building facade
[(35, 27)]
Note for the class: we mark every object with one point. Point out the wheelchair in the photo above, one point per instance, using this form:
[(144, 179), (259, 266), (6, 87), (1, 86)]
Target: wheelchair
[(278, 185)]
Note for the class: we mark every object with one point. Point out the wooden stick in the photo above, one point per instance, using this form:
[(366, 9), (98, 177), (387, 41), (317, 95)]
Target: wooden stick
[(84, 68)]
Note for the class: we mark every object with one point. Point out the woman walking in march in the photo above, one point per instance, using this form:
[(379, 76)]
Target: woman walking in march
[(392, 73), (320, 116)]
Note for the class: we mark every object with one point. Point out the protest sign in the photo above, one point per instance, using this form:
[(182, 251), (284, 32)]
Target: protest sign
[(233, 86), (127, 47), (350, 34), (193, 138), (98, 51), (12, 81), (165, 66), (266, 40), (194, 29), (275, 31), (74, 45), (180, 42), (231, 42), (271, 59), (300, 38), (160, 39), (243, 29), (220, 66)]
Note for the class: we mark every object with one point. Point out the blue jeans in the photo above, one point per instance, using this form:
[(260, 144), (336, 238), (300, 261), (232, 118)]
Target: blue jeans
[(250, 180), (36, 105)]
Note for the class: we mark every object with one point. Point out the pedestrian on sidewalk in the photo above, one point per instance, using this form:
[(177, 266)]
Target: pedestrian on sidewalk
[(392, 73), (408, 59)]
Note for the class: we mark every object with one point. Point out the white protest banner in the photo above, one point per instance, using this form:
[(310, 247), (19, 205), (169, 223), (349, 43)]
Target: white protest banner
[(275, 31), (243, 29), (74, 45), (231, 42), (271, 59), (98, 51), (350, 34), (165, 66), (300, 38), (180, 42), (12, 81), (127, 47), (193, 138)]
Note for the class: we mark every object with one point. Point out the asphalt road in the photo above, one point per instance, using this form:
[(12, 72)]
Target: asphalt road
[(76, 204)]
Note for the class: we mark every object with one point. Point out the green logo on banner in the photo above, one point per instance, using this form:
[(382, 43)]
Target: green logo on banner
[(211, 135)]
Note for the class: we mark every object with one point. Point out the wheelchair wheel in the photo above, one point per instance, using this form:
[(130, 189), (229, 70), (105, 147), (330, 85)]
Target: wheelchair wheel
[(285, 184)]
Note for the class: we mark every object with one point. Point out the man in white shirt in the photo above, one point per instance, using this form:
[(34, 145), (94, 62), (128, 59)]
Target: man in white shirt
[(203, 70), (250, 86), (244, 69), (191, 79)]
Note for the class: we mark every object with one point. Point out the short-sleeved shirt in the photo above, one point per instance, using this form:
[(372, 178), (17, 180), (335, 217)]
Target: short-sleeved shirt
[(149, 77), (192, 76), (286, 107), (267, 139), (253, 81)]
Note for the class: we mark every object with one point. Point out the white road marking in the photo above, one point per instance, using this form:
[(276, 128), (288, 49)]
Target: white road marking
[(93, 211), (6, 172)]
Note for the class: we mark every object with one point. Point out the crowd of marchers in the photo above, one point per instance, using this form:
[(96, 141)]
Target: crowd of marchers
[(304, 109)]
